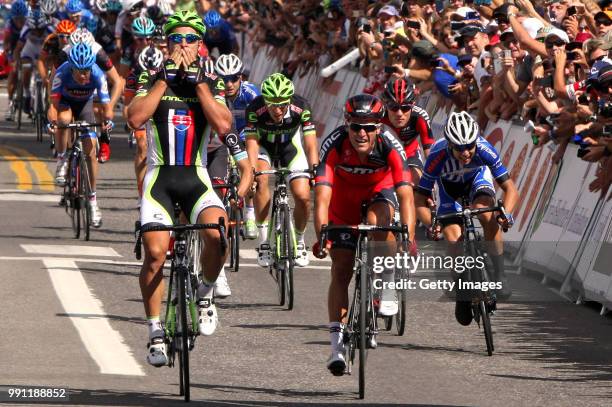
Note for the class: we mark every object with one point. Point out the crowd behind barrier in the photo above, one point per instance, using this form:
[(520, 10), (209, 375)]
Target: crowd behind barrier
[(563, 230)]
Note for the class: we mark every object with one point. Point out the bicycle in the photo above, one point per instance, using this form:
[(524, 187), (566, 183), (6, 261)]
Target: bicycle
[(181, 325), (77, 188), (483, 302), (234, 213), (281, 235), (39, 111), (19, 88), (362, 328)]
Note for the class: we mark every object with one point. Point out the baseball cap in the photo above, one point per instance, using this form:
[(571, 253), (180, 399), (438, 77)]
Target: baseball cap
[(471, 30), (562, 35), (606, 14), (388, 10), (423, 48), (506, 34), (493, 40)]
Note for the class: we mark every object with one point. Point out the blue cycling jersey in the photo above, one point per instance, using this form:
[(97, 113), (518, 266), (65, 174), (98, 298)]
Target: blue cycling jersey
[(65, 87), (246, 93), (222, 37), (86, 17), (441, 166)]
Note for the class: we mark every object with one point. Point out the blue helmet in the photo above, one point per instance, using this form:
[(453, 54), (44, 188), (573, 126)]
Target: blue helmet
[(19, 9), (74, 6), (212, 19), (82, 56)]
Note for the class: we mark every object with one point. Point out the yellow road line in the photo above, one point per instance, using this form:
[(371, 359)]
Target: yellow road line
[(19, 167), (44, 177)]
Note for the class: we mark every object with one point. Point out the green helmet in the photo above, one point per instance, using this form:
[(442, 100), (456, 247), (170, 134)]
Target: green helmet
[(185, 18), (277, 86)]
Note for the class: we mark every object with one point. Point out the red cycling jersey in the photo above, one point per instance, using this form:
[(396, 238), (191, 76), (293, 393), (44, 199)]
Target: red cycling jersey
[(418, 125), (354, 181)]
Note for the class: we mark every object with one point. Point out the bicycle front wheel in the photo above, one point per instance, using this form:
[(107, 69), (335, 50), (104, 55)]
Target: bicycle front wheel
[(84, 192), (39, 118), (19, 100), (74, 201), (236, 219), (183, 333), (400, 318), (363, 317), (486, 325), (288, 256)]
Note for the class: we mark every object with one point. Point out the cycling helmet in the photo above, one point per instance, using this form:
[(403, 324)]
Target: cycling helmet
[(19, 9), (150, 58), (114, 6), (36, 19), (159, 35), (364, 107), (81, 35), (228, 64), (101, 5), (212, 19), (461, 129), (400, 91), (277, 86), (129, 5), (185, 18), (65, 27), (143, 27), (209, 66), (155, 13), (82, 56), (48, 7), (74, 6), (165, 6)]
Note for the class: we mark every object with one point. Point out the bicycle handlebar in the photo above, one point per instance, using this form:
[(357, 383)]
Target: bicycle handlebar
[(282, 171), (469, 212), (79, 125), (361, 229), (180, 228)]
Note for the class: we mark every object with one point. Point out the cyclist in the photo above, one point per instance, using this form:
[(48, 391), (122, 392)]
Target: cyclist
[(108, 10), (219, 34), (49, 59), (72, 92), (78, 14), (142, 31), (28, 47), (276, 122), (50, 9), (123, 26), (464, 163), (180, 103), (14, 25), (106, 64), (238, 95), (408, 122), (360, 161)]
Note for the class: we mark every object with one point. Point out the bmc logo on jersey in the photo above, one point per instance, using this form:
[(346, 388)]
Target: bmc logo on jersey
[(181, 120)]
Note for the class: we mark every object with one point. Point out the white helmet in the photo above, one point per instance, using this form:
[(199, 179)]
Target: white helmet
[(209, 66), (82, 35), (228, 64), (166, 7), (48, 7), (129, 4), (461, 129), (150, 58), (101, 5)]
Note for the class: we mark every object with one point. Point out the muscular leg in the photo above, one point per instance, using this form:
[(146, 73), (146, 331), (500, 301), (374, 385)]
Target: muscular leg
[(211, 258), (300, 188), (261, 198), (341, 274), (151, 276), (89, 148)]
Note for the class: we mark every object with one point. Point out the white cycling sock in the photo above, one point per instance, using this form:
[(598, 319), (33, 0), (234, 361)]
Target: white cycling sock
[(299, 236), (155, 327), (263, 232), (335, 333), (205, 290), (250, 212)]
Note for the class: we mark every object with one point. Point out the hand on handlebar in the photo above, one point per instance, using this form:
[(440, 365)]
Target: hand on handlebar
[(321, 251), (505, 221), (108, 125), (434, 232)]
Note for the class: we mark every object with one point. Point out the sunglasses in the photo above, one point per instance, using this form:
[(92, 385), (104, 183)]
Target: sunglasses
[(81, 71), (147, 38), (64, 36), (557, 43), (394, 107), (178, 38), (230, 78), (464, 147), (603, 21), (281, 105), (368, 127)]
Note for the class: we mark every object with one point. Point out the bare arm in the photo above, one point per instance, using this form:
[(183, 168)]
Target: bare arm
[(118, 83), (142, 107), (407, 211), (323, 194), (312, 151), (510, 194)]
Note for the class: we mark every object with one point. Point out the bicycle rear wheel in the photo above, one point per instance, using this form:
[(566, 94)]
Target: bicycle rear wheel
[(39, 118), (400, 318), (234, 234), (84, 192), (486, 325), (183, 333), (19, 99), (288, 256)]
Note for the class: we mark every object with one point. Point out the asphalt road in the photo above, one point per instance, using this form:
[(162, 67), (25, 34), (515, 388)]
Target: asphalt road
[(73, 319)]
